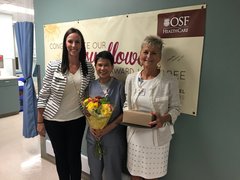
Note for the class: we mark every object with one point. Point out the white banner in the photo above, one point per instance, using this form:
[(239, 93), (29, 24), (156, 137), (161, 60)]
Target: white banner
[(180, 28)]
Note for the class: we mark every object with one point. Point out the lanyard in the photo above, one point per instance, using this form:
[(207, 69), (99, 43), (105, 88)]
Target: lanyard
[(106, 87)]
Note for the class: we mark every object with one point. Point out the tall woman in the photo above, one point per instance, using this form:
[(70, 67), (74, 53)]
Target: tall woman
[(59, 108), (151, 90)]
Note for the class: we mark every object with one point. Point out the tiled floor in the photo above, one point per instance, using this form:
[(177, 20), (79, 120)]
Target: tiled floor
[(20, 157)]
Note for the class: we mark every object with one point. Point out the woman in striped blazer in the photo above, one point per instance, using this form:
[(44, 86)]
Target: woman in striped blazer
[(60, 112)]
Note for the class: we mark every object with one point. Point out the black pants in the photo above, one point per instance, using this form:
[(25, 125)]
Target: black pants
[(66, 138)]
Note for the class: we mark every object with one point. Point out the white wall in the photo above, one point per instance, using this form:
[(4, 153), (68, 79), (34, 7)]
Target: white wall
[(7, 45)]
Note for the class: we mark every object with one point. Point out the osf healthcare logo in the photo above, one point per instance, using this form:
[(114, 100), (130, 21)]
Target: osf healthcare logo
[(176, 21), (182, 24)]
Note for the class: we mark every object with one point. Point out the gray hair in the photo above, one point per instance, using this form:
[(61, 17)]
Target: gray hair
[(155, 41)]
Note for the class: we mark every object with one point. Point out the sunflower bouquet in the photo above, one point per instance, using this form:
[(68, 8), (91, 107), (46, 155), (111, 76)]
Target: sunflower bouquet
[(99, 112)]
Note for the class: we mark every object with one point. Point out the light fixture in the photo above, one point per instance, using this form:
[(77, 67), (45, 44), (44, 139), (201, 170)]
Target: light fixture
[(17, 9)]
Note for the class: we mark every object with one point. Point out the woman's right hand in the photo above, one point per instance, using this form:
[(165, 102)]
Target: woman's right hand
[(40, 124), (41, 129)]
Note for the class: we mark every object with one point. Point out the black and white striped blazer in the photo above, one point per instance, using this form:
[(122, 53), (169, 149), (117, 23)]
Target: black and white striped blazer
[(54, 83)]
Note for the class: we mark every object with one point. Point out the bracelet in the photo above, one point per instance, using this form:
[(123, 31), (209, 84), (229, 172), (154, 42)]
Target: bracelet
[(40, 122)]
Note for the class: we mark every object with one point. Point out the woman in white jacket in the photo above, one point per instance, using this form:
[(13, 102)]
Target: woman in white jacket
[(155, 91)]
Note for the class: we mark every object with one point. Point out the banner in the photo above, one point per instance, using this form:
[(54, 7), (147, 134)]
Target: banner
[(182, 30)]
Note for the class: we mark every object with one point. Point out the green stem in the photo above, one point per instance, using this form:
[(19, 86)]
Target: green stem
[(98, 150)]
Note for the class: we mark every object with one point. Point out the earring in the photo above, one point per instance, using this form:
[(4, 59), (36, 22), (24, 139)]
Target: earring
[(139, 62)]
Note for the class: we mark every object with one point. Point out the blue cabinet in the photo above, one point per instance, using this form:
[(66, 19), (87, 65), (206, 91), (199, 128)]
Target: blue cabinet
[(9, 96)]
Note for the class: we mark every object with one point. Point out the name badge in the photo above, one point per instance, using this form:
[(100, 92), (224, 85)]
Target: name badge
[(142, 92), (58, 75)]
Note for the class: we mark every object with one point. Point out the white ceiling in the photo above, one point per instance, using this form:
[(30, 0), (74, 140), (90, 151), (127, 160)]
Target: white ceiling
[(22, 3)]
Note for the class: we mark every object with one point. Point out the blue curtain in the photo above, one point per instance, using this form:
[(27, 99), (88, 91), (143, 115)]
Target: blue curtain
[(24, 37)]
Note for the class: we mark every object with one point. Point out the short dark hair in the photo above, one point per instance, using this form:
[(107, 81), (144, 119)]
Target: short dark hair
[(82, 53), (104, 55)]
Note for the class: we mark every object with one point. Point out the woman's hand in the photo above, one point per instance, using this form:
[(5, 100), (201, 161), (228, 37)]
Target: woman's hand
[(41, 129), (160, 120), (99, 133), (40, 124)]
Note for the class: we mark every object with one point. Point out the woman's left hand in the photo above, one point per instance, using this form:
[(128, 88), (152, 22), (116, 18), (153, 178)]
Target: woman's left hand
[(99, 133), (160, 120)]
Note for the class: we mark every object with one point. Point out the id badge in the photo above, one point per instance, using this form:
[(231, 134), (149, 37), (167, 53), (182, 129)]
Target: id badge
[(143, 92)]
